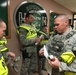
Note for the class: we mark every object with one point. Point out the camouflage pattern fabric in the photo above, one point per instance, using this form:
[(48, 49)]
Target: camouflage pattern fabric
[(30, 60), (41, 59), (58, 44), (25, 65)]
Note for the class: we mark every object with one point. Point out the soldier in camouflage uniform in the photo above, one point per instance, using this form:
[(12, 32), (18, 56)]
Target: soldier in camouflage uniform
[(4, 52), (62, 41), (41, 59), (28, 38)]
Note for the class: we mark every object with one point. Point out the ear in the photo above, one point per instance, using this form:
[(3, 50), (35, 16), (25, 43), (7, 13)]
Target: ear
[(66, 22)]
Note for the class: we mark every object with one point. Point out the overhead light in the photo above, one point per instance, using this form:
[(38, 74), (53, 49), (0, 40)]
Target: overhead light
[(51, 11), (4, 4), (42, 11)]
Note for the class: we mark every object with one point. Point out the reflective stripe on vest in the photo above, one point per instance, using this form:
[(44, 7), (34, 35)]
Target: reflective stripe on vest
[(67, 57), (43, 42), (3, 67), (3, 43), (41, 32), (3, 49), (31, 31)]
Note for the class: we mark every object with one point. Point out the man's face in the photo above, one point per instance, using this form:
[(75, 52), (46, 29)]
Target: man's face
[(44, 29), (2, 29), (30, 18), (60, 25)]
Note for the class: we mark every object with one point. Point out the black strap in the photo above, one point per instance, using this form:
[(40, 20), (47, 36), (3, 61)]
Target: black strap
[(69, 35)]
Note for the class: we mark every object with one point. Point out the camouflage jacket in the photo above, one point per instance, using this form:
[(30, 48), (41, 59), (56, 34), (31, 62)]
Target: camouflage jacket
[(26, 44), (3, 48), (59, 43)]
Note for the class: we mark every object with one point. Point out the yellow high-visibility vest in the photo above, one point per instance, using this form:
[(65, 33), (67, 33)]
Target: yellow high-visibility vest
[(43, 42), (69, 73), (3, 67), (3, 43), (31, 31), (68, 57)]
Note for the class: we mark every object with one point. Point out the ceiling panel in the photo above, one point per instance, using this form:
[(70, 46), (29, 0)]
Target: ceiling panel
[(69, 4)]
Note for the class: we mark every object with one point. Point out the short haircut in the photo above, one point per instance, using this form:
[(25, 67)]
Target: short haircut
[(44, 26), (28, 14), (62, 16)]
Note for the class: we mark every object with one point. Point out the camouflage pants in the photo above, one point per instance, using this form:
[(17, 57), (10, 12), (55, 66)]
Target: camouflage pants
[(29, 64), (24, 67), (33, 63)]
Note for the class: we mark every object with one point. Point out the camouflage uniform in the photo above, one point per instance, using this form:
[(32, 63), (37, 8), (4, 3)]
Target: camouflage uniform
[(3, 48), (59, 43), (29, 52), (41, 59), (3, 56)]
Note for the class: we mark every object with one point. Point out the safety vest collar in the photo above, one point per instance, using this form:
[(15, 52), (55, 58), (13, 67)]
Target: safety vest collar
[(31, 31)]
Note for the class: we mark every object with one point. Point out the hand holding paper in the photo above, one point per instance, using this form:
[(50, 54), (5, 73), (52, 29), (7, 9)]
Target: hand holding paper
[(46, 54)]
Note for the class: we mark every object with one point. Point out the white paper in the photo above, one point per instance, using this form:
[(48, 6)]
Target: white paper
[(47, 66), (45, 52)]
